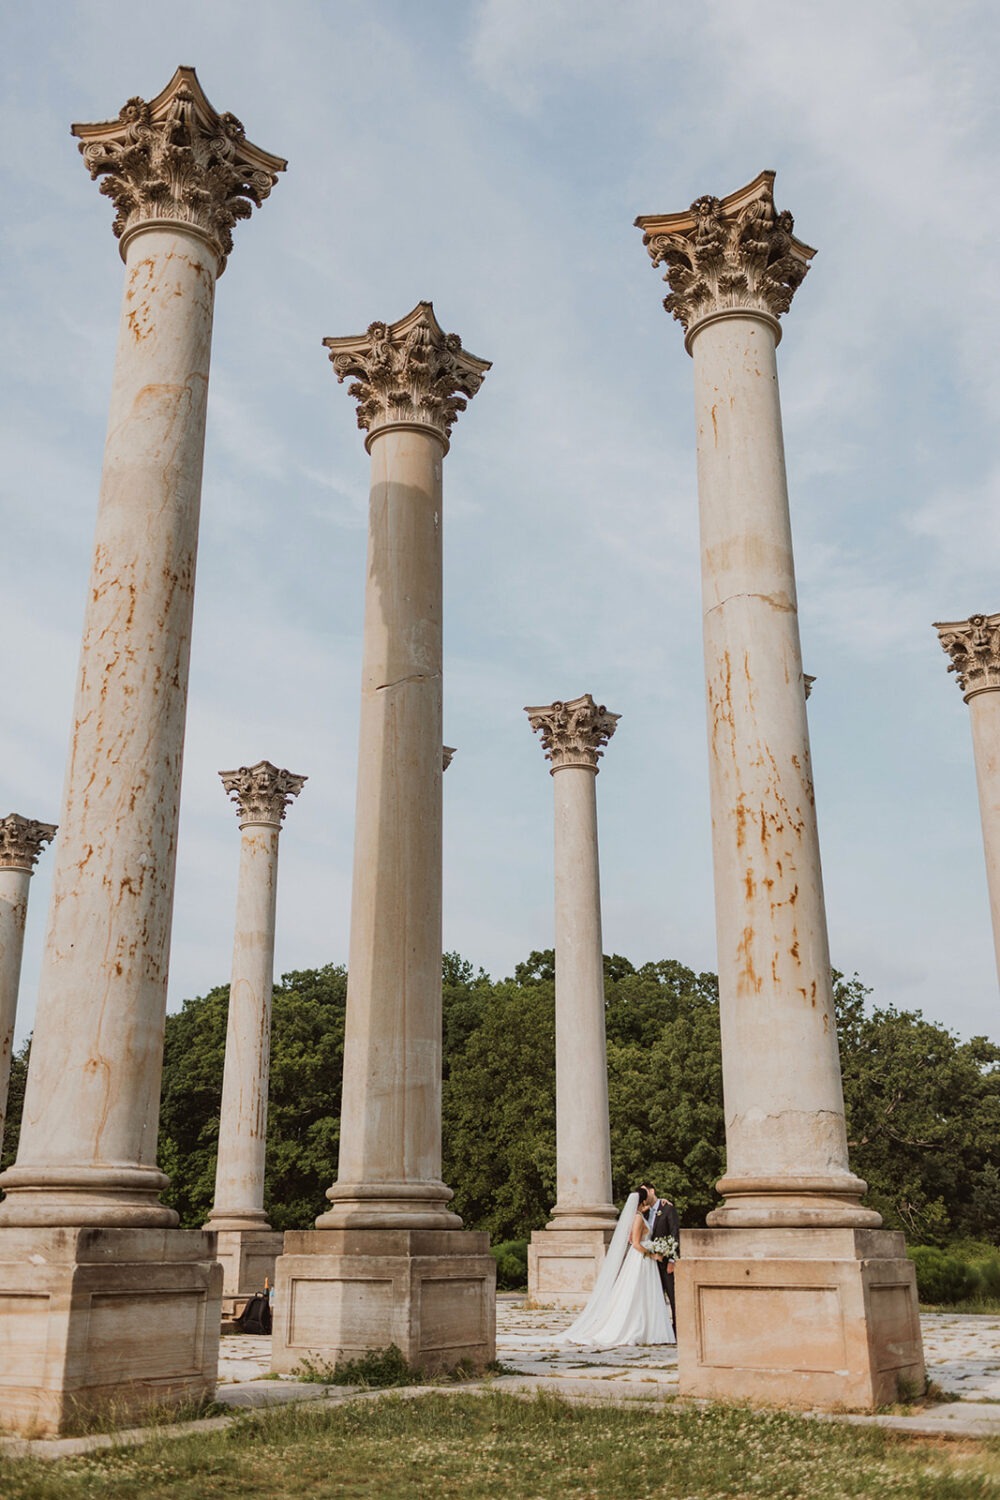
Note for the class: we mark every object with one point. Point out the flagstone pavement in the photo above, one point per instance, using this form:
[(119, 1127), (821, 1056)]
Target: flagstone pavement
[(962, 1353)]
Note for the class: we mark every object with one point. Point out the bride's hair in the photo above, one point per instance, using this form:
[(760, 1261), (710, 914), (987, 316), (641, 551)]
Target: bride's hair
[(643, 1192)]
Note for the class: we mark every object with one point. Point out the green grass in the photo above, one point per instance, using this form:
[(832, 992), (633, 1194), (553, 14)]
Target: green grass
[(468, 1447)]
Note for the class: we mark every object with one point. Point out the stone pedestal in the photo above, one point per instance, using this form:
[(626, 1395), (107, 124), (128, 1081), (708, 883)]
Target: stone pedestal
[(97, 1322), (343, 1292), (247, 1257), (563, 1264), (803, 1317)]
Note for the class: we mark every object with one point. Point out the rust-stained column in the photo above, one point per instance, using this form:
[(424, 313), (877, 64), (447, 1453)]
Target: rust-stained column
[(262, 794), (794, 1295), (974, 648), (389, 1261), (179, 175), (733, 266), (21, 842)]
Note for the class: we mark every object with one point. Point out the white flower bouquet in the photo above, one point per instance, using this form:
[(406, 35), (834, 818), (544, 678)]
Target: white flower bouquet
[(665, 1245)]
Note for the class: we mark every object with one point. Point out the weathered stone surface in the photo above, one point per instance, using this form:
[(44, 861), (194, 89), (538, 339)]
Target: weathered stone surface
[(563, 1263), (95, 1318), (390, 1147), (247, 1257), (573, 735), (87, 1151), (974, 648), (340, 1293), (807, 1317), (21, 842), (262, 794), (785, 1137)]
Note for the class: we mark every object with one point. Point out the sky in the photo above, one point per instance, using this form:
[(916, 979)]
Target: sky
[(491, 156)]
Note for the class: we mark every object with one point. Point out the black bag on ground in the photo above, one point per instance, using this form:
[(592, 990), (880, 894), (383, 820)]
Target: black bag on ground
[(256, 1316)]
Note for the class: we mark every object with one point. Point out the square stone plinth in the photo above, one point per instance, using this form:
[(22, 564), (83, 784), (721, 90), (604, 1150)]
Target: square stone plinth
[(340, 1293), (804, 1317), (247, 1257), (100, 1322), (563, 1264)]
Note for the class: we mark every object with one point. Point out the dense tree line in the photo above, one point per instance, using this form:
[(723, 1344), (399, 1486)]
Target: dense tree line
[(923, 1106)]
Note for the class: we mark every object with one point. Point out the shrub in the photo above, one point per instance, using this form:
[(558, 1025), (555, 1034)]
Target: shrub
[(943, 1278), (511, 1257)]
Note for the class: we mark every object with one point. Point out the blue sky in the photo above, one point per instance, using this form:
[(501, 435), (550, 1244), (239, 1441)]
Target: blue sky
[(491, 156)]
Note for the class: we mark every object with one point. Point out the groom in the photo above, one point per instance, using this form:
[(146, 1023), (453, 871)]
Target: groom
[(661, 1216)]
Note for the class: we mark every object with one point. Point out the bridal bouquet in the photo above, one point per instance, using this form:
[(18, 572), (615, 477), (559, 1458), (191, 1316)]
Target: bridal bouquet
[(665, 1245)]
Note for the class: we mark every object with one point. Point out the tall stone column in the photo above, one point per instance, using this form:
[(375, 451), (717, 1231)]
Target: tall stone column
[(246, 1247), (179, 175), (389, 1215), (563, 1266), (974, 648), (733, 266), (21, 841)]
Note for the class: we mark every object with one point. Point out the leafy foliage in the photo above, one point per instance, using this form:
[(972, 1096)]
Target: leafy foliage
[(923, 1106)]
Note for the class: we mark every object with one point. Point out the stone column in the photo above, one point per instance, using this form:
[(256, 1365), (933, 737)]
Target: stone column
[(733, 266), (389, 1215), (246, 1248), (974, 648), (21, 841), (562, 1267), (179, 175)]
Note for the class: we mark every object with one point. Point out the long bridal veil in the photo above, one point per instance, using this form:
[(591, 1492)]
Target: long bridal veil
[(593, 1314)]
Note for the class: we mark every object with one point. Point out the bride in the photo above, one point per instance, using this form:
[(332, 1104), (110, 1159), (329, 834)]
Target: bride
[(627, 1304)]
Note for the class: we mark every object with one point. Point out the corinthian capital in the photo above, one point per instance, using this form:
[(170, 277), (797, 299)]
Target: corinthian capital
[(409, 373), (262, 792), (21, 841), (728, 255), (573, 734), (974, 648), (176, 161)]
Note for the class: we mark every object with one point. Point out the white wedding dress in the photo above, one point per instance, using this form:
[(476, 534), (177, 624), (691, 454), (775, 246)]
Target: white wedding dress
[(627, 1305)]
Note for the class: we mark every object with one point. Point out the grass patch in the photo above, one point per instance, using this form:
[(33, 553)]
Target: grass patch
[(476, 1447), (381, 1369), (984, 1306)]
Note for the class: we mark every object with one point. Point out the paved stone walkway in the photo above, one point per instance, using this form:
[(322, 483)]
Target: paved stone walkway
[(962, 1352)]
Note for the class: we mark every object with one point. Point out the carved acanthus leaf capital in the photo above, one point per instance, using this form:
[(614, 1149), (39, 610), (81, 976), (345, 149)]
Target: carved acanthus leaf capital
[(176, 160), (728, 255), (21, 841), (408, 373), (974, 648), (262, 792), (575, 733)]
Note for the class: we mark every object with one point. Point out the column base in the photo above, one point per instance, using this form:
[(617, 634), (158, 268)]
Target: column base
[(247, 1256), (802, 1317), (563, 1264), (98, 1322), (340, 1294)]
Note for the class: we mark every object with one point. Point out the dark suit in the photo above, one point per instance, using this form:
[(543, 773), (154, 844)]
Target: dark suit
[(665, 1221)]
